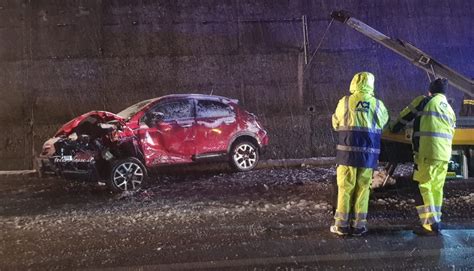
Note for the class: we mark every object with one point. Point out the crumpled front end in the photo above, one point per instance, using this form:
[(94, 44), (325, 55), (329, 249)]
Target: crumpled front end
[(72, 157), (84, 147)]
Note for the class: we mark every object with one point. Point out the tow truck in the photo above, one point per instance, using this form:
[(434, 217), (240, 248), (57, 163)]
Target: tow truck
[(396, 147)]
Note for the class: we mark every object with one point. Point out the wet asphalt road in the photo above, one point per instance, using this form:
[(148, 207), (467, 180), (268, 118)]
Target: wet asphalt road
[(274, 219), (315, 249)]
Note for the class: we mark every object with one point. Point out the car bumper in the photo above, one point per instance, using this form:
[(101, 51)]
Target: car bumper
[(263, 141), (45, 166), (84, 171), (263, 149)]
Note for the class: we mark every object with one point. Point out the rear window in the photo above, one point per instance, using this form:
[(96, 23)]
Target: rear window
[(213, 109)]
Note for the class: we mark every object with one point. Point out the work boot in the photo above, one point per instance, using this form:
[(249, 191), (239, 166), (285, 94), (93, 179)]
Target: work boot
[(341, 231), (427, 230), (359, 231), (436, 227)]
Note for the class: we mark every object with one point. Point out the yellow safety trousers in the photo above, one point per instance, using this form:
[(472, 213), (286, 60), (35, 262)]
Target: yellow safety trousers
[(430, 175), (353, 196)]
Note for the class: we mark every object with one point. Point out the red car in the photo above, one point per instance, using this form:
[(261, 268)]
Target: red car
[(175, 129)]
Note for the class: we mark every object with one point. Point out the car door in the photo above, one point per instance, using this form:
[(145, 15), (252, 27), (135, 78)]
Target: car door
[(215, 124), (170, 139)]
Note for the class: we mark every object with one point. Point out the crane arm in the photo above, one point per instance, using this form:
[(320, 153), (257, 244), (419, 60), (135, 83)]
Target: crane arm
[(410, 52)]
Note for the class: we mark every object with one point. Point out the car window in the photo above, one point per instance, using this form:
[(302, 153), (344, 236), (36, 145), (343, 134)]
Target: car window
[(175, 110), (212, 109)]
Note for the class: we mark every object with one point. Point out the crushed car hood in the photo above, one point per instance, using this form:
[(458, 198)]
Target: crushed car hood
[(99, 116)]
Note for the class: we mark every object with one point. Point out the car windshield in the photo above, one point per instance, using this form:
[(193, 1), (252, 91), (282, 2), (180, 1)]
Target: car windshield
[(128, 112)]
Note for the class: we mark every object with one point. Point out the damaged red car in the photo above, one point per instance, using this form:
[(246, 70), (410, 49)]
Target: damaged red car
[(122, 148)]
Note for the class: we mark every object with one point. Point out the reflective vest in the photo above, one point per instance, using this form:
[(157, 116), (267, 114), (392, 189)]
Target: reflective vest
[(433, 129), (359, 120)]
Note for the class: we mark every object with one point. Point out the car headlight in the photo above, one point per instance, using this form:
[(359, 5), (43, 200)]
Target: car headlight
[(48, 147)]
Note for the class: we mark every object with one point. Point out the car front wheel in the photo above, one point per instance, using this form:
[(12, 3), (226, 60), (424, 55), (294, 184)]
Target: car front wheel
[(244, 156), (127, 175)]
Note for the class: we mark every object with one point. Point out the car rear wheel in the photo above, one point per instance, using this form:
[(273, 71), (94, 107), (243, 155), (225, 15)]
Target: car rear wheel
[(127, 175), (244, 156)]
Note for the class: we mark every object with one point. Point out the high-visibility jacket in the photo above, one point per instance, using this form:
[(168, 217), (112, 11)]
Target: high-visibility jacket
[(359, 120), (433, 129)]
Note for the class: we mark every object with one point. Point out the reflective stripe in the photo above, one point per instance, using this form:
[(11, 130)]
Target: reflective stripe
[(359, 223), (359, 138), (341, 219), (360, 129), (426, 209), (433, 134), (360, 216), (436, 114), (438, 212), (341, 216), (376, 114), (357, 159), (430, 220), (470, 102), (357, 149), (346, 110), (341, 223), (412, 108), (429, 214)]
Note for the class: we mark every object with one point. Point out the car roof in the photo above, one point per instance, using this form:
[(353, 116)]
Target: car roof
[(199, 96)]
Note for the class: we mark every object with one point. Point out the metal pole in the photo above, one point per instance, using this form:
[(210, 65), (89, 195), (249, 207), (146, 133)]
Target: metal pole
[(305, 38)]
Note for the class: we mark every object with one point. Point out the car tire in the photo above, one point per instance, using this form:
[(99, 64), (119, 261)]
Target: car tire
[(127, 175), (244, 156)]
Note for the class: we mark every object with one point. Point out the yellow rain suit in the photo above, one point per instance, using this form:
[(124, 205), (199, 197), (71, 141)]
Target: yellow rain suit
[(359, 120), (433, 131)]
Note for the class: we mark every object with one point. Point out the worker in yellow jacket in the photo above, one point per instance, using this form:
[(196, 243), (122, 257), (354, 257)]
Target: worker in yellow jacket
[(359, 120), (433, 131)]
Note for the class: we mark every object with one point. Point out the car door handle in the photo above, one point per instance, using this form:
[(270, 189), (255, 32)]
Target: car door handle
[(187, 125)]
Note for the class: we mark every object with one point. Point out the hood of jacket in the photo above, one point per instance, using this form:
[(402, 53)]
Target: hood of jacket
[(363, 82)]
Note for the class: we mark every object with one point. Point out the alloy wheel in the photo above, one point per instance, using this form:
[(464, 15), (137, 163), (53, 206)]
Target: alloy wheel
[(128, 176), (245, 156)]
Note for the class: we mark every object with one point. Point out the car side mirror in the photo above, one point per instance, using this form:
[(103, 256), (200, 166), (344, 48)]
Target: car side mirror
[(156, 117)]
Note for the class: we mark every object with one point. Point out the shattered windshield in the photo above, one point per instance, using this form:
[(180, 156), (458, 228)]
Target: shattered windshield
[(128, 112)]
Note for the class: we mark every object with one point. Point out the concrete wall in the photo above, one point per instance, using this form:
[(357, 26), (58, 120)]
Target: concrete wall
[(59, 59)]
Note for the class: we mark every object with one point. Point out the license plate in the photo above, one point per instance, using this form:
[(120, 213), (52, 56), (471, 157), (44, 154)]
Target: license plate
[(67, 158)]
